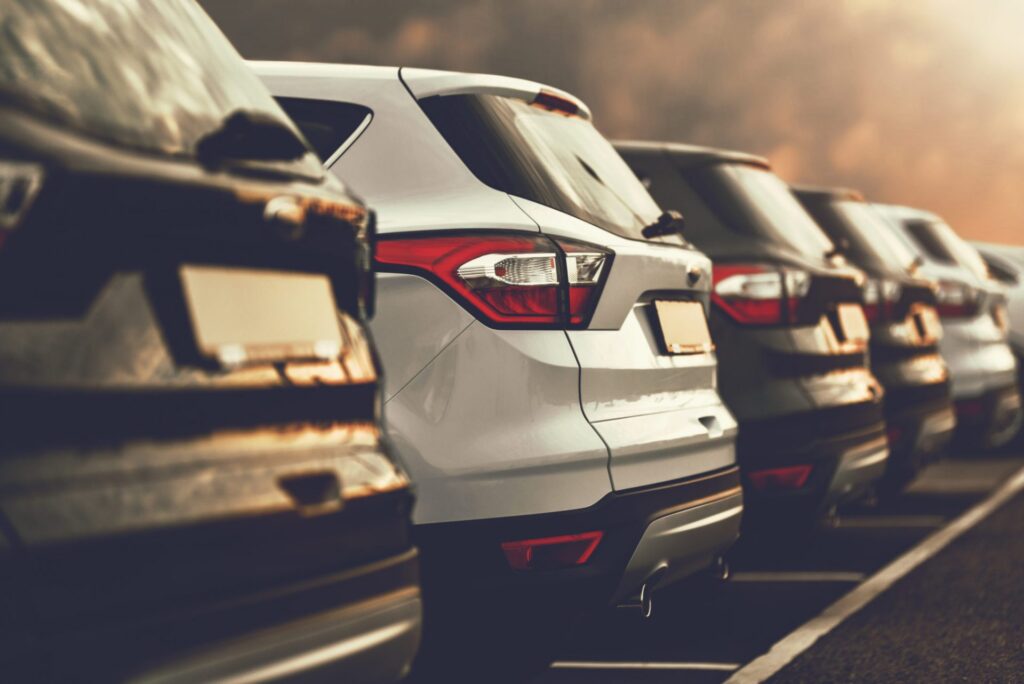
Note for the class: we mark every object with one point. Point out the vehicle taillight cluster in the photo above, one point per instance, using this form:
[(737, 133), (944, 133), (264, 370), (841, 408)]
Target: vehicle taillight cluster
[(956, 300), (508, 279), (755, 294), (880, 299)]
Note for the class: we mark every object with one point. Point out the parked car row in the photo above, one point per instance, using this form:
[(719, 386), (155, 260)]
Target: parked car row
[(223, 374)]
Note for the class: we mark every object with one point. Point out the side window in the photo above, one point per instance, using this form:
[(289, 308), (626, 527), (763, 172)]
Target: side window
[(1001, 272), (922, 233), (328, 126)]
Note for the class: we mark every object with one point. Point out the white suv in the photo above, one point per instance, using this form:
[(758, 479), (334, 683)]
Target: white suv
[(550, 379), (974, 343)]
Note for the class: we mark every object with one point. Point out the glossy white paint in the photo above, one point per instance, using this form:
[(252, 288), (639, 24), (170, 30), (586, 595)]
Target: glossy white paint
[(975, 349), (494, 423), (492, 428), (417, 322)]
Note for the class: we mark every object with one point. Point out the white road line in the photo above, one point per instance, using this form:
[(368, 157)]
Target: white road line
[(873, 521), (798, 576), (614, 665), (798, 641)]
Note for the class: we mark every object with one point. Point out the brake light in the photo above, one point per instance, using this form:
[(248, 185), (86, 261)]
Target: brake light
[(19, 184), (880, 298), (790, 477), (554, 102), (956, 300), (550, 553), (753, 294), (508, 279)]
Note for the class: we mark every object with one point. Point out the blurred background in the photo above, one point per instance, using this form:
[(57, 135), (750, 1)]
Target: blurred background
[(919, 103)]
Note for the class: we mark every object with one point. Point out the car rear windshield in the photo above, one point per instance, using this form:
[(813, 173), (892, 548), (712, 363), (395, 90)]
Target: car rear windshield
[(869, 238), (942, 243), (546, 156), (156, 75), (751, 200)]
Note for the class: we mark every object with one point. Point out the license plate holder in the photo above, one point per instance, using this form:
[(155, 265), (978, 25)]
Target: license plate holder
[(683, 327), (243, 316), (853, 326)]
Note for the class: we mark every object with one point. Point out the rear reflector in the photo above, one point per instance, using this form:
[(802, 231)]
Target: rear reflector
[(790, 477), (550, 553), (894, 433), (970, 408), (508, 279)]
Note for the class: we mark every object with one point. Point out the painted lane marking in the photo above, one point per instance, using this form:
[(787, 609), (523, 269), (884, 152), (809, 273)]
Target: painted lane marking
[(618, 665), (895, 521), (789, 647), (797, 576)]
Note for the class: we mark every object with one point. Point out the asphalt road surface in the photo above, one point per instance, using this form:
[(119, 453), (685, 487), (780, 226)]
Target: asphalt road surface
[(958, 616)]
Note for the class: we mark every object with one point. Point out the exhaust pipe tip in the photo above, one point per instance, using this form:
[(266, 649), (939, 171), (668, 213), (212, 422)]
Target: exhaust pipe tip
[(720, 569)]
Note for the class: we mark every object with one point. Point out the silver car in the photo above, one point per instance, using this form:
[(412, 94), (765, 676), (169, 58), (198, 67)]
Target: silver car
[(550, 379), (974, 321)]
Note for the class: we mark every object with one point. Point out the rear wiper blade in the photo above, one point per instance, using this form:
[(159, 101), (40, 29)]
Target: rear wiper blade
[(251, 135), (669, 223)]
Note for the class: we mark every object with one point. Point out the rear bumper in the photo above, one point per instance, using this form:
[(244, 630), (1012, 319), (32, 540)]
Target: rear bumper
[(921, 423), (372, 641), (989, 420), (845, 459), (359, 625), (680, 526)]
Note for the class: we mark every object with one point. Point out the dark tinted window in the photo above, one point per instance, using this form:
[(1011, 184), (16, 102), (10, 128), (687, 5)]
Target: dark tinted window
[(548, 157), (929, 242), (869, 240), (1001, 270), (326, 125), (150, 74), (754, 201), (938, 235)]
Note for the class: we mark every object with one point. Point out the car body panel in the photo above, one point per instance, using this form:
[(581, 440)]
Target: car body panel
[(501, 424)]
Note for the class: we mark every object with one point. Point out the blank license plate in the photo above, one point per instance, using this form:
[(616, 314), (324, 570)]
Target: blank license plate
[(242, 316), (684, 328), (854, 324)]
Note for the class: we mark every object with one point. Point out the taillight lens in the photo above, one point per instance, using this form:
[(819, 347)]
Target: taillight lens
[(754, 294), (508, 279), (880, 298), (956, 300), (551, 553)]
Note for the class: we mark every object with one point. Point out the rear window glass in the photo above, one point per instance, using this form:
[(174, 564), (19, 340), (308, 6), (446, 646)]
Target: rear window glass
[(941, 242), (151, 74), (870, 240), (754, 201), (548, 157), (326, 125)]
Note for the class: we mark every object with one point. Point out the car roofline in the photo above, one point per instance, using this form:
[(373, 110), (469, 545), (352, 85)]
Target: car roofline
[(423, 83), (688, 156), (835, 193)]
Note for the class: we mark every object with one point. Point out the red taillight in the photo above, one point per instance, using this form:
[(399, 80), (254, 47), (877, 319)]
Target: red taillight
[(894, 434), (556, 103), (956, 300), (880, 299), (790, 477), (753, 294), (549, 553), (508, 279)]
